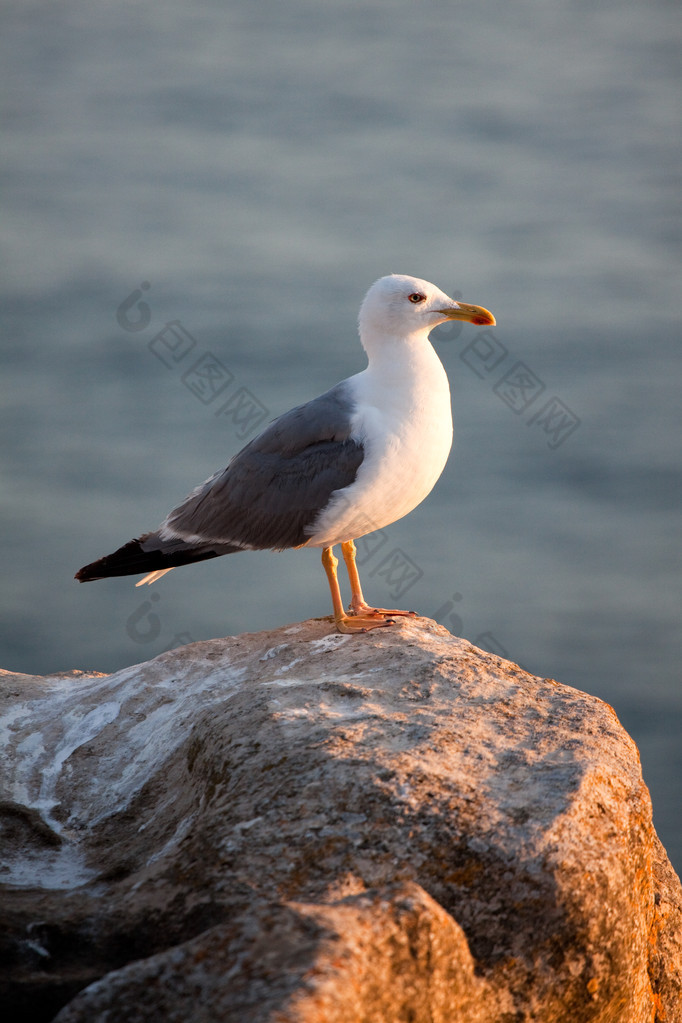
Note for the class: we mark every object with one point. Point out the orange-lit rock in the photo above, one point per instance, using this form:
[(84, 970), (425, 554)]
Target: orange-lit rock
[(300, 827)]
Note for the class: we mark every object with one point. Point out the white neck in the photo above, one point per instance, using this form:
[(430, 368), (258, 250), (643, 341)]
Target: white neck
[(405, 364)]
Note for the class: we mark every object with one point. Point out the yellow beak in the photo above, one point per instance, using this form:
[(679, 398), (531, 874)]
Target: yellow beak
[(471, 313)]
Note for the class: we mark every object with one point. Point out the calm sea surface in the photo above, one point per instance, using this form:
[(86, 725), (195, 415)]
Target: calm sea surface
[(250, 170)]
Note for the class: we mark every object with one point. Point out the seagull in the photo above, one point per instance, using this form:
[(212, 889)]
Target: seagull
[(360, 456)]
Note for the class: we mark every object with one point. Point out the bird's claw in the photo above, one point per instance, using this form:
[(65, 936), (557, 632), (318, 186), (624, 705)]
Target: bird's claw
[(356, 623), (366, 610)]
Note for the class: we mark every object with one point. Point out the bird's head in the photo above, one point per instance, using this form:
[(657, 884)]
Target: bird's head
[(402, 306)]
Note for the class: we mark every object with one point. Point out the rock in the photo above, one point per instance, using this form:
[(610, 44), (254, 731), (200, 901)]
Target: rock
[(294, 826)]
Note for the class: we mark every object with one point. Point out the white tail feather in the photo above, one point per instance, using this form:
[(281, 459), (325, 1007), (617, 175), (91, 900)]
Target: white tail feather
[(153, 577)]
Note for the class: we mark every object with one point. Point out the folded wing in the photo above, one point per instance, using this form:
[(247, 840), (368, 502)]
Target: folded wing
[(269, 496)]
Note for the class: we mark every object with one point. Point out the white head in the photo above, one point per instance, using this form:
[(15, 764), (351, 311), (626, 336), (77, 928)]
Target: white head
[(399, 306)]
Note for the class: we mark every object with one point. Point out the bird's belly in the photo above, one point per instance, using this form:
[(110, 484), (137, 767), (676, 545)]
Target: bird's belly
[(403, 461)]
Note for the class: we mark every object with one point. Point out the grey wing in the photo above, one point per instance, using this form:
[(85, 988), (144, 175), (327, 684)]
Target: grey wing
[(271, 493)]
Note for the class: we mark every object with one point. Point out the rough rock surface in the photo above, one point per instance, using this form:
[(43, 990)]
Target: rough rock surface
[(294, 826)]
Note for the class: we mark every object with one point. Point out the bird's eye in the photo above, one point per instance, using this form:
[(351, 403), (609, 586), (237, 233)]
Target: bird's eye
[(416, 297)]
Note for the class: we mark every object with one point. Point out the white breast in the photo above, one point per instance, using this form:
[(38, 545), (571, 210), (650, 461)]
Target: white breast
[(404, 421)]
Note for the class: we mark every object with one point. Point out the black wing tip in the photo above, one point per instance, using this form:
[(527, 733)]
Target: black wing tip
[(132, 559), (127, 560), (89, 573)]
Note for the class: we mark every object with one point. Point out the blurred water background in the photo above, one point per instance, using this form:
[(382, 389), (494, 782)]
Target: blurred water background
[(257, 166)]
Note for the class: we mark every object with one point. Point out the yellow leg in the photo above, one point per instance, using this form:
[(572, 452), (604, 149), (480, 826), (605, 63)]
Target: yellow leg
[(329, 563), (358, 604), (344, 622), (356, 598)]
